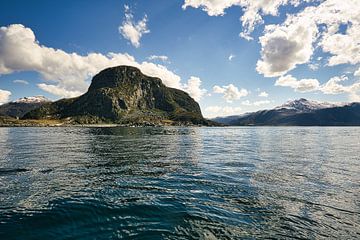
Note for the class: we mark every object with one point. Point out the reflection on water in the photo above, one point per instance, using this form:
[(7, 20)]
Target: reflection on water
[(179, 183)]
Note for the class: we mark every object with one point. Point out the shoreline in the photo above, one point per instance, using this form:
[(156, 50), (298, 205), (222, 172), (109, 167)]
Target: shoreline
[(53, 123)]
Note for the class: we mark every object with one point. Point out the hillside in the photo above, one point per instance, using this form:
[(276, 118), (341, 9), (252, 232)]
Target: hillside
[(124, 95), (301, 112), (20, 107)]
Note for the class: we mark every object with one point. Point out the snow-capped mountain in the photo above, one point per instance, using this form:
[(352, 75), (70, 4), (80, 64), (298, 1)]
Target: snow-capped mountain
[(304, 105), (34, 99), (20, 107), (301, 112)]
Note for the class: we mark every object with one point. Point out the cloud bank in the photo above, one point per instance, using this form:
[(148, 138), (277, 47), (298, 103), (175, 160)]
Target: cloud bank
[(217, 111), (67, 74), (252, 10), (332, 86), (286, 45)]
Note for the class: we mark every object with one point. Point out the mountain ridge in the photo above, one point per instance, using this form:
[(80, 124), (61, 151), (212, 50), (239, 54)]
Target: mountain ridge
[(21, 106), (301, 112)]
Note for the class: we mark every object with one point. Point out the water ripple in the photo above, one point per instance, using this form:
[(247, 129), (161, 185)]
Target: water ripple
[(179, 183)]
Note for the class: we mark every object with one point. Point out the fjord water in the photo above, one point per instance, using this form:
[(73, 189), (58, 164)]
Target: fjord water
[(180, 183)]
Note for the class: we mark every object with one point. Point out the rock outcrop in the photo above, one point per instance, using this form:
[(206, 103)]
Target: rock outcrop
[(124, 95)]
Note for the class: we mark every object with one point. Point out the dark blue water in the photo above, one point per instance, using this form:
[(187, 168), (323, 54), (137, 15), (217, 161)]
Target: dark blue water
[(180, 183)]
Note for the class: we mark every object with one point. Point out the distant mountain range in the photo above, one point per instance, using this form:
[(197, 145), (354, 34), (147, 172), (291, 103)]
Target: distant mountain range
[(301, 112), (20, 107), (124, 95)]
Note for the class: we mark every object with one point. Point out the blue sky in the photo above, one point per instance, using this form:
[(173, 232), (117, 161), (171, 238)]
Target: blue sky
[(297, 50)]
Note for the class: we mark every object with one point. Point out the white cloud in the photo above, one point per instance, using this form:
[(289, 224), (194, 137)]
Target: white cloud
[(21, 81), (67, 74), (333, 86), (230, 92), (4, 96), (58, 91), (256, 103), (213, 8), (263, 94), (284, 47), (259, 103), (253, 10), (231, 57), (246, 103), (291, 43), (303, 85), (131, 30), (313, 66), (193, 87), (344, 47), (217, 111), (156, 57), (357, 73)]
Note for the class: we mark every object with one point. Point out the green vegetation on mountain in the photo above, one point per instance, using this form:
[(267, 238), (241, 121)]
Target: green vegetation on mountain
[(123, 95)]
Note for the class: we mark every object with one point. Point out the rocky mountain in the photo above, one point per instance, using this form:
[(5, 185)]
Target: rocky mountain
[(304, 105), (124, 95), (300, 112), (20, 107)]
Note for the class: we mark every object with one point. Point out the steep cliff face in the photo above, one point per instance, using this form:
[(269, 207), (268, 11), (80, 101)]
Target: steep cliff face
[(124, 95)]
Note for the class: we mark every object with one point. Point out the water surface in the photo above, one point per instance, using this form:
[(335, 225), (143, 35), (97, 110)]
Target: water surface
[(180, 183)]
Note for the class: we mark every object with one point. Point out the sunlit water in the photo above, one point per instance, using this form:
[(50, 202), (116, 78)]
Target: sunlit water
[(180, 183)]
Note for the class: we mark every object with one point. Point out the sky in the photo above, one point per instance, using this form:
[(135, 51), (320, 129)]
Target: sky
[(232, 56)]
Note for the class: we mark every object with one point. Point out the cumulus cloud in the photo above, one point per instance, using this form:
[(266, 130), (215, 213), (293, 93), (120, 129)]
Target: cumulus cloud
[(303, 85), (4, 96), (58, 91), (289, 44), (263, 94), (160, 57), (230, 92), (218, 111), (253, 10), (333, 86), (213, 8), (193, 87), (131, 30), (21, 81), (286, 45), (66, 74)]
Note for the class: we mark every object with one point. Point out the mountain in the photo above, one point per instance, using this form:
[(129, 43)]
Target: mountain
[(20, 107), (304, 105), (124, 95), (300, 112)]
